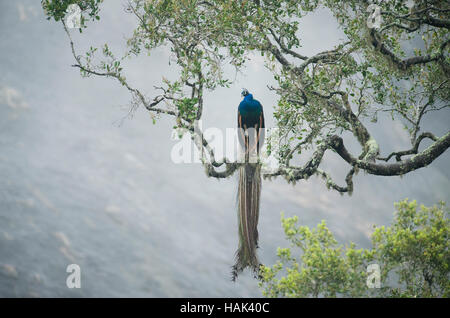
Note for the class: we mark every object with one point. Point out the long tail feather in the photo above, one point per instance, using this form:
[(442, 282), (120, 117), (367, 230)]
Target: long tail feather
[(249, 192)]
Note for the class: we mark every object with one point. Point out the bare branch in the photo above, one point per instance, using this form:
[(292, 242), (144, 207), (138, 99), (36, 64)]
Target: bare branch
[(399, 154), (284, 48), (330, 183), (415, 162)]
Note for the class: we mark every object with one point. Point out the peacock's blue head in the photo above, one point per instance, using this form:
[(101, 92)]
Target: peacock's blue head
[(244, 92)]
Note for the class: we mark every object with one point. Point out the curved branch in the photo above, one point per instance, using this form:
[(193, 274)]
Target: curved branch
[(285, 49), (417, 161), (399, 154), (292, 174), (405, 63), (422, 16), (325, 55), (197, 136), (420, 160), (330, 183), (370, 146)]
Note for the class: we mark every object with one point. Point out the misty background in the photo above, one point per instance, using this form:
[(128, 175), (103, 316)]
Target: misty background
[(82, 183)]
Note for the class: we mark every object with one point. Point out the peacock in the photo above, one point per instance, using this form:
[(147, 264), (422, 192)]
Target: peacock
[(251, 132)]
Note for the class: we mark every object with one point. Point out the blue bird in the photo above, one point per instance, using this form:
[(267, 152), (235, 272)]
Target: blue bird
[(250, 121), (251, 138)]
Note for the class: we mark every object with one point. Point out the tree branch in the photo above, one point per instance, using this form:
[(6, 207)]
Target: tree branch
[(405, 63), (399, 154), (415, 162)]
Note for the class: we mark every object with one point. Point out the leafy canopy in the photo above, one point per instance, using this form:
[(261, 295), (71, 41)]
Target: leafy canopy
[(412, 255), (400, 69)]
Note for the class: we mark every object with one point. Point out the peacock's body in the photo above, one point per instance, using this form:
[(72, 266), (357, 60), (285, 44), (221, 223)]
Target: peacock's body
[(250, 123)]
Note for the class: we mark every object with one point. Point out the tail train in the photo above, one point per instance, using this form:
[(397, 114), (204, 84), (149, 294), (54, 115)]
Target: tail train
[(249, 192)]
